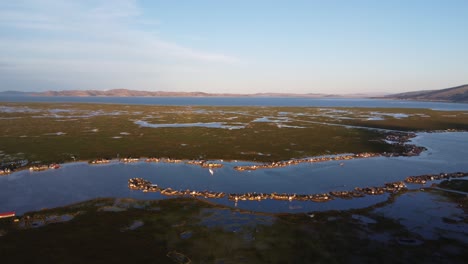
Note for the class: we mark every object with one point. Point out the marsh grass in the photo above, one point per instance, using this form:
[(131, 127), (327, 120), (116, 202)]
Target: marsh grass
[(96, 236), (104, 130)]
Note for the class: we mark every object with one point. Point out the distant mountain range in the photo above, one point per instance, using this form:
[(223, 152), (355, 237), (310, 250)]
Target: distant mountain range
[(130, 93), (457, 94), (454, 94)]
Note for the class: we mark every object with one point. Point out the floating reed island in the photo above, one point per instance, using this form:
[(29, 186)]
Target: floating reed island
[(281, 164), (5, 171), (397, 139), (44, 167), (99, 161), (105, 160), (164, 160), (129, 160), (392, 188), (422, 179), (11, 166), (147, 186), (205, 164), (201, 163)]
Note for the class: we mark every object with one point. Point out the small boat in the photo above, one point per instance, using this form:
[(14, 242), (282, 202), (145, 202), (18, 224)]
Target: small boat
[(7, 214), (211, 171)]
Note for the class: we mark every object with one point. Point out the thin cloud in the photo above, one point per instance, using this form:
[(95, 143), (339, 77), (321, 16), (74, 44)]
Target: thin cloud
[(95, 26)]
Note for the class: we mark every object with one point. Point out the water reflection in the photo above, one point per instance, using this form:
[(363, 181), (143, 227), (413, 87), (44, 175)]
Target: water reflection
[(429, 215)]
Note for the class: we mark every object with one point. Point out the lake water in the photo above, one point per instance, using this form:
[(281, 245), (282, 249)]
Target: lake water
[(27, 191), (243, 101)]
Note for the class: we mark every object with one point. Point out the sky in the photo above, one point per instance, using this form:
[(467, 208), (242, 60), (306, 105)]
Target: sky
[(243, 46)]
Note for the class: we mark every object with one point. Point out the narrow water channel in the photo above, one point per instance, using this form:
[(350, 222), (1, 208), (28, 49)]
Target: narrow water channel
[(75, 182)]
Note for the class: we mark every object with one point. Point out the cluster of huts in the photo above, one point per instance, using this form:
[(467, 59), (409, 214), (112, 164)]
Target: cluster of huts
[(129, 160), (281, 164), (202, 163), (44, 167), (10, 166), (99, 161), (165, 160), (399, 137), (393, 187), (153, 160), (422, 179), (205, 164), (5, 171), (147, 186), (399, 140)]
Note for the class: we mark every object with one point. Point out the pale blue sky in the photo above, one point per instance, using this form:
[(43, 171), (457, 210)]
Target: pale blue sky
[(243, 46)]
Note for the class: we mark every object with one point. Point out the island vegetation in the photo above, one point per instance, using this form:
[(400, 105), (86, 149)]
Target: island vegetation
[(457, 94)]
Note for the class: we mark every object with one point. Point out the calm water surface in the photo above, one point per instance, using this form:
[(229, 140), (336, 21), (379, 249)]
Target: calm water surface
[(26, 191), (424, 213), (243, 101)]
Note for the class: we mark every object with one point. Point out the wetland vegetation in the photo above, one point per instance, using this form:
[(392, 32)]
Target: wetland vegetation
[(58, 132)]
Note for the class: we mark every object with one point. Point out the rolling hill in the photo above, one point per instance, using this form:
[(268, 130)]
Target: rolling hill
[(457, 94), (131, 93)]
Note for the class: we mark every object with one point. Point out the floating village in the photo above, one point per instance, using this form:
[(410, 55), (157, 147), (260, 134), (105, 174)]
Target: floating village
[(44, 167), (393, 187)]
